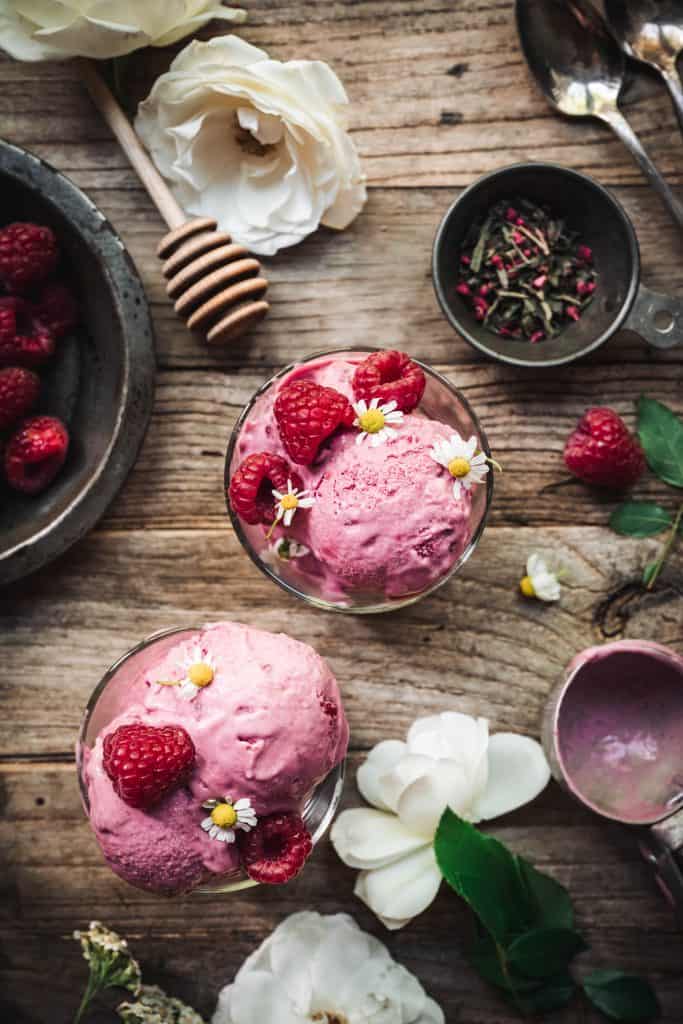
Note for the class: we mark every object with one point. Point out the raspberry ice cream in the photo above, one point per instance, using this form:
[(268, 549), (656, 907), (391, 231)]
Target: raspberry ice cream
[(371, 514), (264, 715)]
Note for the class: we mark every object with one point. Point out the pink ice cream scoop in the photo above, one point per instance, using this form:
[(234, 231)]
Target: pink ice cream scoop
[(383, 521), (267, 729)]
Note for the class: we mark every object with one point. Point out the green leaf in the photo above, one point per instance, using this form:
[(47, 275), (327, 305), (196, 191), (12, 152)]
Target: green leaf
[(485, 957), (552, 905), (620, 996), (661, 435), (649, 571), (640, 519), (484, 873), (544, 952), (555, 994)]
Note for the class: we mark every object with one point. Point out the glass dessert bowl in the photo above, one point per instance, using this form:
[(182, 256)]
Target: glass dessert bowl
[(212, 758), (358, 480)]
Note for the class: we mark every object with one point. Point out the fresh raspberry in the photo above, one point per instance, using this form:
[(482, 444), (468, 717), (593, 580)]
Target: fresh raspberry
[(276, 850), (19, 390), (307, 414), (57, 309), (602, 451), (28, 255), (145, 762), (390, 376), (24, 339), (35, 454), (252, 485)]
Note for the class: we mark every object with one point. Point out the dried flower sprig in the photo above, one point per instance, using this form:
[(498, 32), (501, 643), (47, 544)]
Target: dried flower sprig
[(111, 964), (153, 1006)]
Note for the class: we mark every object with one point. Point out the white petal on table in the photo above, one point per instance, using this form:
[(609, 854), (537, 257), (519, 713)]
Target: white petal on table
[(400, 891), (345, 967), (379, 761), (449, 734), (290, 951), (365, 838), (518, 772)]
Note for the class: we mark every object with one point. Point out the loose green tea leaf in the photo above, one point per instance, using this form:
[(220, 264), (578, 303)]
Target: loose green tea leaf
[(523, 273), (661, 435), (544, 952), (640, 519), (622, 997)]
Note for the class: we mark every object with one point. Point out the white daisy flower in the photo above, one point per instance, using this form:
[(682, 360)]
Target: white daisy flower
[(289, 501), (198, 671), (459, 458), (376, 421), (226, 817), (540, 580)]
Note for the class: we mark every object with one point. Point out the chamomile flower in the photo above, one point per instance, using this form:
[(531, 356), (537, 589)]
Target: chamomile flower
[(540, 580), (466, 465), (198, 671), (289, 501), (226, 817), (378, 422)]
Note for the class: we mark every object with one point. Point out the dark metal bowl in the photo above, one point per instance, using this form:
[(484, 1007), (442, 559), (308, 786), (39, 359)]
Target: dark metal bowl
[(101, 382), (620, 300)]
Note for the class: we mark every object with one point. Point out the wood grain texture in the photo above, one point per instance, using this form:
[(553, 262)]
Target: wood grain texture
[(439, 95)]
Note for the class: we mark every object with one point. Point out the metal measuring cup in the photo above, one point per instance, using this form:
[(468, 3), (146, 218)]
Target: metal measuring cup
[(613, 734), (621, 301)]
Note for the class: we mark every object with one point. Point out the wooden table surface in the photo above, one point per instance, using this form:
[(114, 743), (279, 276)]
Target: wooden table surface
[(439, 95)]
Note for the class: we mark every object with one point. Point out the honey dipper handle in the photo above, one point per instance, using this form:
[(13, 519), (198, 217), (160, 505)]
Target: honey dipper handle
[(110, 110)]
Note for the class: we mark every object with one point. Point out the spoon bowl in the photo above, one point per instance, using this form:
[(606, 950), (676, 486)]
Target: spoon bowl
[(582, 71), (651, 31)]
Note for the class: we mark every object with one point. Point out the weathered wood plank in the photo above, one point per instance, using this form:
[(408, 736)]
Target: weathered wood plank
[(178, 480), (475, 645), (438, 93), (54, 879)]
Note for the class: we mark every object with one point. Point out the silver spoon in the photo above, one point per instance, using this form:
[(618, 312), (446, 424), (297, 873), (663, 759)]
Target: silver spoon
[(651, 31), (581, 70)]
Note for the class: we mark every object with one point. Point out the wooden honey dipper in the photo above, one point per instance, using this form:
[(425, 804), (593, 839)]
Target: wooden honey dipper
[(216, 285)]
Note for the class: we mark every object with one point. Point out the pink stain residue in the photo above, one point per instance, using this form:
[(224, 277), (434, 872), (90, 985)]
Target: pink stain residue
[(619, 730)]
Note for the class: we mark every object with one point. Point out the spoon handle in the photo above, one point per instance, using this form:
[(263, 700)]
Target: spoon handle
[(618, 123), (673, 84)]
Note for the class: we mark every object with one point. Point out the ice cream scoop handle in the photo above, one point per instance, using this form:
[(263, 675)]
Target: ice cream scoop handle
[(618, 123), (124, 132)]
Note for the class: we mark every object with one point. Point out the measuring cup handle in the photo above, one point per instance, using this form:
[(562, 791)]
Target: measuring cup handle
[(657, 318), (662, 847)]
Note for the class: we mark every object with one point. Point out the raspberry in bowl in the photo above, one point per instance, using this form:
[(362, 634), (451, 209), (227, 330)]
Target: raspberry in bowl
[(211, 759), (358, 480)]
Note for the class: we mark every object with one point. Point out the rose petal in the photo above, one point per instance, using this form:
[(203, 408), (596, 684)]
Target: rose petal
[(424, 801), (379, 761), (364, 838), (400, 891), (405, 770), (518, 772), (257, 997)]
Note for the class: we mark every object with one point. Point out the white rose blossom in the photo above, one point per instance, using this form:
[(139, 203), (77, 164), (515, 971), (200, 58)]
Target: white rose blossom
[(323, 968), (259, 145), (448, 760), (57, 29)]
